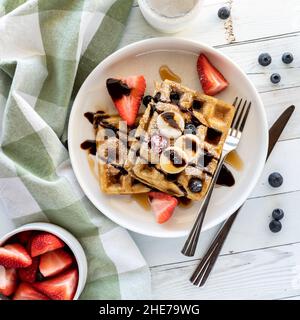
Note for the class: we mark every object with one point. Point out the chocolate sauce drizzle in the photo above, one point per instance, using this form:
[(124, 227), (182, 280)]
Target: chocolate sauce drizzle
[(225, 177), (117, 88), (213, 136), (89, 145), (175, 158), (169, 117)]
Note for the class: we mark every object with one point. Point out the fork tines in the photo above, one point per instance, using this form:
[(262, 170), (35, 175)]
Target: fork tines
[(240, 116)]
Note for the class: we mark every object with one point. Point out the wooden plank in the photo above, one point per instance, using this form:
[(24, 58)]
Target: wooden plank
[(265, 274), (276, 102), (252, 19), (292, 298), (250, 232), (246, 55), (252, 223)]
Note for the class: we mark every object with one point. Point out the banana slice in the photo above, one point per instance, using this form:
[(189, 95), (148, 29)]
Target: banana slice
[(170, 124), (190, 144), (173, 160)]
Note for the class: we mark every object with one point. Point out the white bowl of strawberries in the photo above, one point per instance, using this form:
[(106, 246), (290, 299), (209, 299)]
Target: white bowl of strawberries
[(41, 261)]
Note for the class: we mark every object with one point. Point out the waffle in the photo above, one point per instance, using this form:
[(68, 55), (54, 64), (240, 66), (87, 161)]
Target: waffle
[(112, 148), (212, 119)]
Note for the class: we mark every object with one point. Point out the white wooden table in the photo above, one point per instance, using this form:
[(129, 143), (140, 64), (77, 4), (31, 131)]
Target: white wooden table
[(255, 263)]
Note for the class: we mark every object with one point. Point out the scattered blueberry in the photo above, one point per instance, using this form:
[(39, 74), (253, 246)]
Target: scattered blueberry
[(275, 226), (195, 185), (287, 58), (191, 128), (146, 100), (275, 179), (224, 13), (277, 214), (275, 78), (264, 59)]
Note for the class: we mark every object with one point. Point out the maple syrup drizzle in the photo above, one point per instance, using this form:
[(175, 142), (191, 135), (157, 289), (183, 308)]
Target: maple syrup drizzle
[(235, 160), (166, 73), (142, 200), (91, 161)]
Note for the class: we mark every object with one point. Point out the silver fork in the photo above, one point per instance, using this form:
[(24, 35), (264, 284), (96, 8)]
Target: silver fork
[(231, 143)]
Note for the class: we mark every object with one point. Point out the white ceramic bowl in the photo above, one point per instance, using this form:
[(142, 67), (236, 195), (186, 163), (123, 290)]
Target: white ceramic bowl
[(67, 238), (145, 57)]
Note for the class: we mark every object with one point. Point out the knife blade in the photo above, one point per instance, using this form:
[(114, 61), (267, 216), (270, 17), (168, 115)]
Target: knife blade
[(277, 128)]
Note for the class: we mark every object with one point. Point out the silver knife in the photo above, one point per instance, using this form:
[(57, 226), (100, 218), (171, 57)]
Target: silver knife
[(207, 263)]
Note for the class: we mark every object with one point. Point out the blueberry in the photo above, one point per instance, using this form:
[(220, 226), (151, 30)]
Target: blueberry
[(264, 59), (287, 58), (224, 13), (147, 100), (191, 128), (277, 214), (195, 185), (275, 78), (275, 179), (275, 226)]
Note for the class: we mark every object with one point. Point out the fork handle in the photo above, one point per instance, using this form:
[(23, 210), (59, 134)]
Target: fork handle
[(191, 242)]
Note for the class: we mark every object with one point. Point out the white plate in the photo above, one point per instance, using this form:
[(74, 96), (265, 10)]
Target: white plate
[(145, 57)]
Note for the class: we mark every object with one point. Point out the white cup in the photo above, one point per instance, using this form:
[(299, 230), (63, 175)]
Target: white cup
[(168, 23), (67, 238)]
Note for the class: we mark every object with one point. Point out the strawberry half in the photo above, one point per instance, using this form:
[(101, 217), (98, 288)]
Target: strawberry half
[(8, 281), (127, 94), (14, 256), (55, 262), (62, 287), (29, 274), (26, 292), (211, 79), (163, 205), (45, 242)]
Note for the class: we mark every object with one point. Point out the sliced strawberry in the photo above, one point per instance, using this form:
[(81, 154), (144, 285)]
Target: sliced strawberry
[(55, 262), (29, 274), (211, 79), (24, 237), (62, 287), (26, 292), (45, 242), (127, 94), (8, 281), (163, 205), (14, 256)]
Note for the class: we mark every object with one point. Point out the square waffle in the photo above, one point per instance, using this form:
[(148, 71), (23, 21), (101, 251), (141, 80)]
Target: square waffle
[(112, 148), (211, 118)]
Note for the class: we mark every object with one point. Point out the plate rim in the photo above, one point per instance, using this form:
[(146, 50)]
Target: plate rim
[(171, 233)]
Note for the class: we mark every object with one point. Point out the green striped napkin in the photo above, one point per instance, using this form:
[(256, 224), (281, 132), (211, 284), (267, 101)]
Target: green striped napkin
[(47, 49)]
